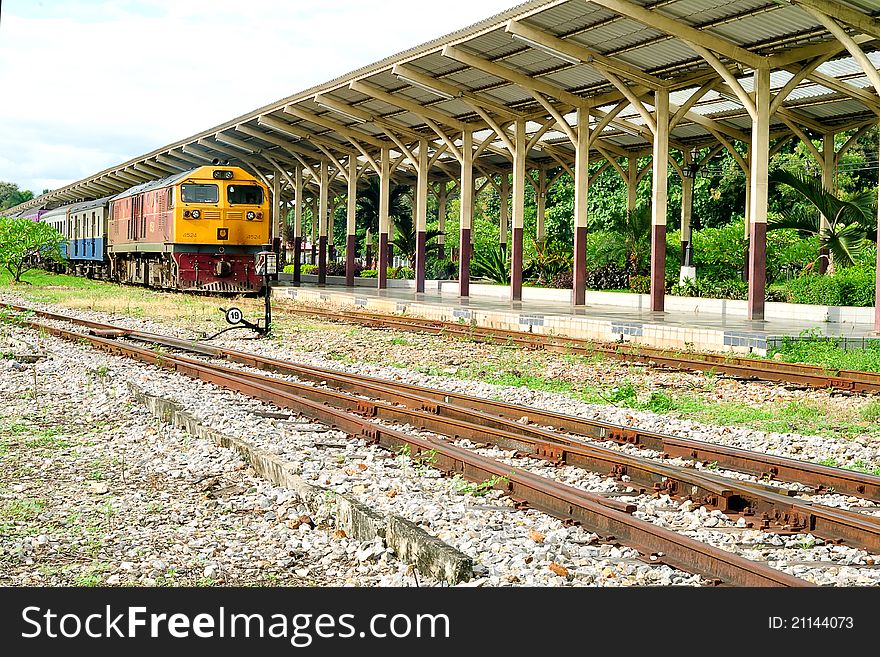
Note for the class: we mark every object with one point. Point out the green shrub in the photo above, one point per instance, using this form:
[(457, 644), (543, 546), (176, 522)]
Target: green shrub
[(336, 269), (308, 269), (609, 277), (441, 270), (604, 248), (850, 286), (788, 254), (719, 253), (401, 273), (288, 269), (369, 273), (564, 280), (707, 288), (640, 284)]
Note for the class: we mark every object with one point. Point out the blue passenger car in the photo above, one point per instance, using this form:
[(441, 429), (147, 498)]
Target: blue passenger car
[(57, 218), (86, 232)]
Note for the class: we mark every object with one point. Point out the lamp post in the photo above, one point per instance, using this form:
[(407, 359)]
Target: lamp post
[(690, 171)]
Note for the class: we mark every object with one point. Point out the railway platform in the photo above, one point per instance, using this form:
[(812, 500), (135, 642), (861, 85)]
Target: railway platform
[(703, 325)]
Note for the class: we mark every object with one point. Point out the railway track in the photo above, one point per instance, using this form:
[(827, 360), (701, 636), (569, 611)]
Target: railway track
[(358, 404), (812, 376)]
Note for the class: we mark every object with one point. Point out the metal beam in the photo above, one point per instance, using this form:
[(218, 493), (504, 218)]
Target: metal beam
[(514, 77), (582, 53), (845, 14), (677, 28)]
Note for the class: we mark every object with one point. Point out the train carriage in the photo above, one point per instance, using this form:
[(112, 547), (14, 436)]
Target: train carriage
[(57, 219), (194, 231), (86, 232)]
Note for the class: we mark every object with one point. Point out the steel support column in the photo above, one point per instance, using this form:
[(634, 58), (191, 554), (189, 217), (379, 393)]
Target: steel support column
[(877, 278), (581, 190), (632, 182), (275, 230), (828, 161), (466, 212), (659, 197), (421, 218), (442, 197), (313, 206), (504, 211), (747, 224), (687, 197), (384, 193), (297, 225), (322, 223), (760, 158), (541, 203), (351, 222), (519, 209)]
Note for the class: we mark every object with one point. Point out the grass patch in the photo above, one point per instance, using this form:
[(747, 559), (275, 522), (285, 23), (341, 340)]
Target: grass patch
[(84, 294), (793, 417), (22, 510), (818, 350)]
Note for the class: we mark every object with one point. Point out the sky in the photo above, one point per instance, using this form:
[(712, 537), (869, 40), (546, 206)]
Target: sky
[(89, 84)]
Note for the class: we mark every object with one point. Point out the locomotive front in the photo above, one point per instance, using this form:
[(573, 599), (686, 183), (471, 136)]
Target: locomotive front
[(221, 221)]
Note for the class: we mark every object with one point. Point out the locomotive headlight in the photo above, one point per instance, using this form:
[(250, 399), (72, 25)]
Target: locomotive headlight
[(251, 215), (196, 214), (186, 213), (259, 215)]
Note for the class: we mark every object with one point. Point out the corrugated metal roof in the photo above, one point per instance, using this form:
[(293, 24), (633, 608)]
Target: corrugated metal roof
[(758, 25)]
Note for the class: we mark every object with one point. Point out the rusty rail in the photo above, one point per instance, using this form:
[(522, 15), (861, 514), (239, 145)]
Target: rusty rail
[(606, 517), (763, 466), (813, 376)]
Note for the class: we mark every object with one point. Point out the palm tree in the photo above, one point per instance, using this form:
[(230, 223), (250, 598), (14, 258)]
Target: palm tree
[(405, 238), (850, 223), (368, 204), (634, 227)]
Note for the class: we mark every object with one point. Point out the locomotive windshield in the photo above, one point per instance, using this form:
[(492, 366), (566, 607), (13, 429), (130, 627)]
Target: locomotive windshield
[(199, 193), (244, 195)]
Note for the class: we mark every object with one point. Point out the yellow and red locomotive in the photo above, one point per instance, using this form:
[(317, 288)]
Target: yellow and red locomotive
[(194, 231)]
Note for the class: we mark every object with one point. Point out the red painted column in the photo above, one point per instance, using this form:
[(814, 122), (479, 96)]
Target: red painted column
[(877, 280), (383, 261), (518, 218), (516, 264), (581, 218), (297, 256), (579, 271), (758, 169), (658, 266), (466, 213), (350, 246), (421, 215), (351, 222), (464, 263), (421, 239), (384, 219), (757, 268), (322, 260), (659, 200)]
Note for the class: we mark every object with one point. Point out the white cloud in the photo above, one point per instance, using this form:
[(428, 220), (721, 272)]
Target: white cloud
[(90, 84)]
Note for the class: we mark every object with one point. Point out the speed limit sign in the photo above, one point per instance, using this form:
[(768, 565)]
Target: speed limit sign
[(234, 316)]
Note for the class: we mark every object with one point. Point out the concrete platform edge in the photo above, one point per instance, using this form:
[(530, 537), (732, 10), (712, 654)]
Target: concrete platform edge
[(431, 556)]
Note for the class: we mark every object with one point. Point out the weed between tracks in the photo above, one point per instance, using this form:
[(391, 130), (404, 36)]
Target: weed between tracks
[(819, 350)]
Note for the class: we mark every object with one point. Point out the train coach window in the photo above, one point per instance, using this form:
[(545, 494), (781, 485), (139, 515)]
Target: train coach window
[(244, 195), (199, 193)]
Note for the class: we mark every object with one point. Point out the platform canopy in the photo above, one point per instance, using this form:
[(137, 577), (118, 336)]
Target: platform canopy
[(550, 86)]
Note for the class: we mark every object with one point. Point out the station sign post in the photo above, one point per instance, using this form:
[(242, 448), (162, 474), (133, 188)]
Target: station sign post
[(266, 265)]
